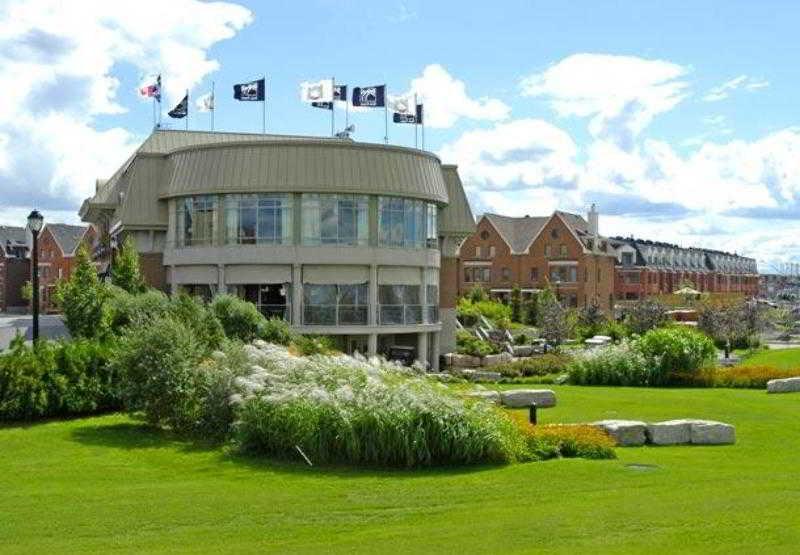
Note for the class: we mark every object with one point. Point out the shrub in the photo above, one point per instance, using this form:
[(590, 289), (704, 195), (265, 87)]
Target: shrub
[(276, 330), (469, 311), (195, 314), (646, 315), (743, 377), (125, 272), (57, 378), (541, 365), (339, 409), (468, 344), (307, 345), (621, 364), (126, 308), (617, 331), (477, 294), (82, 299), (516, 304), (239, 318), (675, 349), (157, 364), (565, 440)]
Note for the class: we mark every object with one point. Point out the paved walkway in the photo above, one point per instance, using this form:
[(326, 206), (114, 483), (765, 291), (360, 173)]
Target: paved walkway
[(50, 326)]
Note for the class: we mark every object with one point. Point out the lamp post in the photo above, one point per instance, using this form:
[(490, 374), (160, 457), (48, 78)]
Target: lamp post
[(35, 221)]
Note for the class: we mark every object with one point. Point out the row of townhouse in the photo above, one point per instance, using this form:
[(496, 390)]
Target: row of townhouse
[(566, 252), (58, 243)]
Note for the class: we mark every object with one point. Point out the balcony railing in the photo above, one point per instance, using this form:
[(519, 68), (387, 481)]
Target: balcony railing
[(335, 315), (407, 314)]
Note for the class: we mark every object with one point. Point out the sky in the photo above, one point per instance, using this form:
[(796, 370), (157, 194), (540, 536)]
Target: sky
[(678, 119)]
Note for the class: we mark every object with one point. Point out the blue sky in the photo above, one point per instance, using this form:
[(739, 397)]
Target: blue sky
[(677, 118)]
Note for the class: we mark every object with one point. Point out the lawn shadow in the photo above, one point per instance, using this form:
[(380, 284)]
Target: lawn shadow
[(139, 435)]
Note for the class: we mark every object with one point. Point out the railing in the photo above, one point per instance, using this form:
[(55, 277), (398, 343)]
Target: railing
[(335, 315), (407, 314), (283, 311)]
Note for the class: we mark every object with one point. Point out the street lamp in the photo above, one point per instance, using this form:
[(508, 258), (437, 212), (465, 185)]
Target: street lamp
[(35, 222)]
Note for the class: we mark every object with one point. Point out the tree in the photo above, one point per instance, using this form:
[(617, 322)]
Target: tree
[(477, 294), (591, 318), (530, 310), (26, 291), (82, 299), (516, 304), (646, 315), (554, 323), (724, 324), (125, 272), (784, 320)]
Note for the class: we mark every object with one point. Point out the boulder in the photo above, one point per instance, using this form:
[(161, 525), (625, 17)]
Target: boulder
[(519, 398), (465, 361), (670, 432), (709, 432), (626, 433), (484, 376), (785, 385), (522, 350), (488, 396), (492, 360)]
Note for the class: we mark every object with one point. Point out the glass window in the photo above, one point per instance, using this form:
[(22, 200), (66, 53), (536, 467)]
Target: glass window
[(258, 219), (400, 304), (432, 304), (432, 226), (196, 221), (331, 305), (563, 250), (506, 274), (534, 274), (335, 219), (402, 222), (547, 250)]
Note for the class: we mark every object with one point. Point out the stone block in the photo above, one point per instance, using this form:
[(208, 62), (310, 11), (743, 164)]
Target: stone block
[(488, 396), (670, 432), (785, 385), (485, 376), (492, 360), (519, 398), (709, 432), (627, 433)]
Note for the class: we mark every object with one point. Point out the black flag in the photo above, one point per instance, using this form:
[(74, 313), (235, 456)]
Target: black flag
[(419, 114), (339, 93), (397, 117), (181, 110), (252, 91), (370, 97)]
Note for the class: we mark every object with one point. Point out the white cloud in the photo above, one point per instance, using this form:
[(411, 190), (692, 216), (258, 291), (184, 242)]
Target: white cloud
[(621, 94), (58, 62), (723, 91), (446, 100)]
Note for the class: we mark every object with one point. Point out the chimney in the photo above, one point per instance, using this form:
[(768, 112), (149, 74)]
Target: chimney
[(593, 220)]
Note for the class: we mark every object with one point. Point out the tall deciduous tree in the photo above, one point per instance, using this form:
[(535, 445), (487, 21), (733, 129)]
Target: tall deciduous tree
[(82, 299), (554, 323)]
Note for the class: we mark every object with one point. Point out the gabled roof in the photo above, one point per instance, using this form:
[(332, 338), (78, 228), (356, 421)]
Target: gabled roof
[(11, 237), (518, 233), (68, 237)]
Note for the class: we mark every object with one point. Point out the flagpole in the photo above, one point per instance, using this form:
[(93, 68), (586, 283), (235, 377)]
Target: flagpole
[(264, 108), (346, 112), (154, 112), (416, 123), (187, 109), (213, 105), (333, 107), (385, 115)]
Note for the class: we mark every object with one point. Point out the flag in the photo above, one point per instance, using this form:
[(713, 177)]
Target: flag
[(370, 97), (253, 91), (205, 103), (320, 91), (181, 110), (151, 87), (404, 118), (339, 94), (401, 104), (420, 111)]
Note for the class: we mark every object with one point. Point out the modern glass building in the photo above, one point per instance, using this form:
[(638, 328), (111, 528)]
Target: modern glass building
[(337, 237)]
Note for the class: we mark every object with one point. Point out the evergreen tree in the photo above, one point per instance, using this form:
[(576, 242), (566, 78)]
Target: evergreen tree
[(125, 272), (516, 304), (82, 299)]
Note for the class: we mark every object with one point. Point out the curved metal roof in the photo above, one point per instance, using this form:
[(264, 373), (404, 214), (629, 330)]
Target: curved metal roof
[(302, 165)]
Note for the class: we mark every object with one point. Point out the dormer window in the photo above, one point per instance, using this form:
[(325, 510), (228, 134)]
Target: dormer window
[(484, 235)]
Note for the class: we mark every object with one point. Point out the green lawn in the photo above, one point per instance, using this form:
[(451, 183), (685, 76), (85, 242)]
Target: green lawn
[(785, 359), (108, 484)]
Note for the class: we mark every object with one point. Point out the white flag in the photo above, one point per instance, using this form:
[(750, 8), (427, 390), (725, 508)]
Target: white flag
[(321, 91), (401, 104), (205, 103)]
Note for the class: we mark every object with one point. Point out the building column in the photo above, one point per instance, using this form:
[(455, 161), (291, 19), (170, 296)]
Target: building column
[(422, 348), (435, 351), (297, 295), (221, 288), (448, 291), (373, 295), (173, 286), (372, 345)]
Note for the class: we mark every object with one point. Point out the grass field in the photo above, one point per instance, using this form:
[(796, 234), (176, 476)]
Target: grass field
[(785, 359), (108, 484)]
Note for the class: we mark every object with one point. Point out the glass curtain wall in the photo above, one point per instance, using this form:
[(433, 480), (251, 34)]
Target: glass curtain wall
[(335, 304), (196, 221), (399, 304), (258, 219), (335, 219)]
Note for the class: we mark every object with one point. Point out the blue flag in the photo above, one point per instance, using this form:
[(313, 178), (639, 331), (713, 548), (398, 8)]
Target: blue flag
[(254, 91), (370, 97)]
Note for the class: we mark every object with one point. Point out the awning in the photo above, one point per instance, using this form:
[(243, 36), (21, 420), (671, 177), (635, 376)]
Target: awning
[(330, 274), (195, 275), (240, 274), (399, 275)]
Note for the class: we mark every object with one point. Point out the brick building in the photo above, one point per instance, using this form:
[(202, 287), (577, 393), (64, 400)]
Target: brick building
[(563, 251), (58, 244), (646, 268), (14, 267)]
